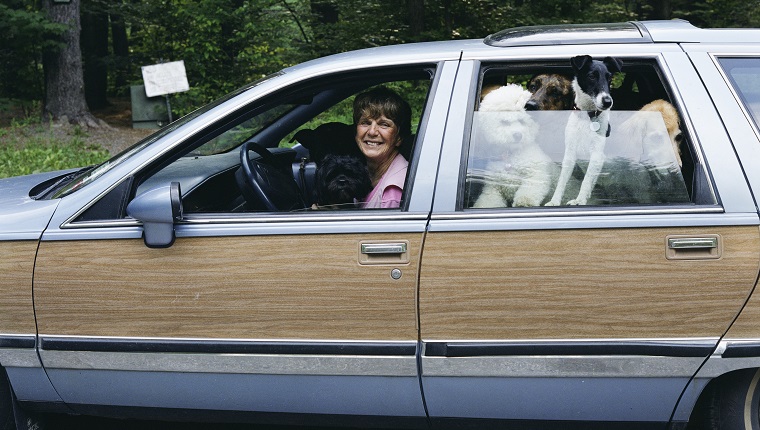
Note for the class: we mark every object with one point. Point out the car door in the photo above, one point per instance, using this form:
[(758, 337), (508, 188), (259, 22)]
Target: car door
[(601, 312), (309, 312)]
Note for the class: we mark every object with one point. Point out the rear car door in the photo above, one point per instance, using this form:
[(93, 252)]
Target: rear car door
[(265, 312), (601, 312)]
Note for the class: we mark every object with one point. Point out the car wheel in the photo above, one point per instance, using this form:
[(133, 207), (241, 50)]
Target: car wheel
[(731, 403)]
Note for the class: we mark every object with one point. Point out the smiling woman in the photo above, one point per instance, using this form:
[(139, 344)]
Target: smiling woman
[(383, 121)]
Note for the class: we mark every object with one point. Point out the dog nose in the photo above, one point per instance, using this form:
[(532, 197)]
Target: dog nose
[(517, 136), (531, 105), (606, 102)]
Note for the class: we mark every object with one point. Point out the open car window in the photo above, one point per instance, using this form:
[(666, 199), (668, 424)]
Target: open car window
[(532, 146), (210, 170)]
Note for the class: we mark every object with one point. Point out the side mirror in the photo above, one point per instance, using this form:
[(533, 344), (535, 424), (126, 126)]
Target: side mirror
[(158, 209)]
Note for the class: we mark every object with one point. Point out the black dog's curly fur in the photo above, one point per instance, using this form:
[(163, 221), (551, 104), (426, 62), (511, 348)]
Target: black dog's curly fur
[(342, 181)]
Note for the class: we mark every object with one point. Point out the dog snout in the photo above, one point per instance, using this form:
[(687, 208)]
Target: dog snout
[(517, 136), (606, 102), (531, 105)]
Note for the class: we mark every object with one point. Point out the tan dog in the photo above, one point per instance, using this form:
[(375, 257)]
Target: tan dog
[(672, 124), (550, 92), (649, 129)]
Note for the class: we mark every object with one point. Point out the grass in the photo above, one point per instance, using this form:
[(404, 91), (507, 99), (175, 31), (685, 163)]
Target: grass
[(27, 147)]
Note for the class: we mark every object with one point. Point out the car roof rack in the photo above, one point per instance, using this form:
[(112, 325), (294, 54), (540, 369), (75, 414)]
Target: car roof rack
[(570, 34)]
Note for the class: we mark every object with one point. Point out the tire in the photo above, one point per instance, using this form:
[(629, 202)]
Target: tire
[(730, 403)]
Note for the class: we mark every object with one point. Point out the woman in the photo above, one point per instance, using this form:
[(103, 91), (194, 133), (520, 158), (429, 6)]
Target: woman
[(383, 120)]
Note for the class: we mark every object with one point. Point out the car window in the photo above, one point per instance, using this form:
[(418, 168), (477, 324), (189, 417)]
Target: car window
[(744, 75), (287, 136), (531, 145)]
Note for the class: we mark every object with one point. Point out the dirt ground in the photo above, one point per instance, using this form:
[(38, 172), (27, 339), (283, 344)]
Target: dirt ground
[(118, 136)]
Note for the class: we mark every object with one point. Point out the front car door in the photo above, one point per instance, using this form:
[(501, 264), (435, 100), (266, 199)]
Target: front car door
[(265, 312), (601, 312)]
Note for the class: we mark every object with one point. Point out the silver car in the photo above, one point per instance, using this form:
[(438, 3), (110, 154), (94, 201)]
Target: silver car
[(192, 274)]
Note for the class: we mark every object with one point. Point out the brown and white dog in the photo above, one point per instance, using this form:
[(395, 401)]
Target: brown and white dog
[(550, 91)]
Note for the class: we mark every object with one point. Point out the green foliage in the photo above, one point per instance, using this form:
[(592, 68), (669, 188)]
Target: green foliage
[(224, 43), (26, 33), (25, 150)]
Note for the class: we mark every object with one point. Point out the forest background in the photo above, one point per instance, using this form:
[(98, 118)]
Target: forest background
[(228, 43)]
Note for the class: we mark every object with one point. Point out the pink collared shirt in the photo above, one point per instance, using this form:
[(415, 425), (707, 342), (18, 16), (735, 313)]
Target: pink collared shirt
[(387, 193)]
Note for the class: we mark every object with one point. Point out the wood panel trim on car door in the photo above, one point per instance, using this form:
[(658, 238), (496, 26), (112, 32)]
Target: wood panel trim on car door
[(222, 287), (16, 306), (582, 284)]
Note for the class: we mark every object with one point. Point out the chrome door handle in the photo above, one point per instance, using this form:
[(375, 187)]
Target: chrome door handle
[(383, 248), (693, 243)]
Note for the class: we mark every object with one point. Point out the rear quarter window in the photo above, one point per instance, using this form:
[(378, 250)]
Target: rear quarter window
[(744, 76)]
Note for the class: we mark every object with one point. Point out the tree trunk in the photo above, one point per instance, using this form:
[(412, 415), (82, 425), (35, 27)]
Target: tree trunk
[(661, 9), (94, 45), (416, 10), (64, 81), (121, 53)]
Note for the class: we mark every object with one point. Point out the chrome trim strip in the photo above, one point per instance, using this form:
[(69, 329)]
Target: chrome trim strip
[(127, 222), (225, 339), (314, 216), (257, 218), (563, 365), (505, 223), (723, 360), (580, 211), (541, 366), (233, 363), (19, 357)]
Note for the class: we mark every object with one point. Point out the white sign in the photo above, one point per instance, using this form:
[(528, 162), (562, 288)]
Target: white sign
[(165, 78)]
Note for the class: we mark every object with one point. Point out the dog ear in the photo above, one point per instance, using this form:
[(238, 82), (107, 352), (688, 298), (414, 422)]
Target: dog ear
[(613, 64), (580, 62)]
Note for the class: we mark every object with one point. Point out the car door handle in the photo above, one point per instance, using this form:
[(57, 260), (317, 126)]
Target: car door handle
[(391, 252), (693, 243), (383, 248), (702, 247)]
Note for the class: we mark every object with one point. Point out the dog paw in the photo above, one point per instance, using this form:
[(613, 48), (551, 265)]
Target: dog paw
[(577, 202), (525, 202), (551, 203)]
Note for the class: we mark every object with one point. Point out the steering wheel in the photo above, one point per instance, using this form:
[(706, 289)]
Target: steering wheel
[(267, 183)]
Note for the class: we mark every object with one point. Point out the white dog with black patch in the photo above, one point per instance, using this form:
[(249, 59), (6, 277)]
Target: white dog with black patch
[(586, 133), (520, 172)]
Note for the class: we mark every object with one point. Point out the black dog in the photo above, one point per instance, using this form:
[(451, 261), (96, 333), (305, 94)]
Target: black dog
[(342, 181), (329, 138)]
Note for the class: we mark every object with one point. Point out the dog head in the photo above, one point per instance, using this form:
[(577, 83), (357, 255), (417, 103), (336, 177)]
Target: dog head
[(342, 181), (550, 92), (328, 138), (504, 125), (592, 81)]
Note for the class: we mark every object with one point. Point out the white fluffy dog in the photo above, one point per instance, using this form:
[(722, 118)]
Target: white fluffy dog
[(520, 172)]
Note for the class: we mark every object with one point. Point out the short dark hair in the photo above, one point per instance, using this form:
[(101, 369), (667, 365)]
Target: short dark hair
[(380, 101)]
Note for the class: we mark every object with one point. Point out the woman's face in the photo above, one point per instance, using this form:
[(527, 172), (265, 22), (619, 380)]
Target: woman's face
[(377, 138)]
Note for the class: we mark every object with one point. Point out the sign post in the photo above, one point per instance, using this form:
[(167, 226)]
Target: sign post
[(164, 79)]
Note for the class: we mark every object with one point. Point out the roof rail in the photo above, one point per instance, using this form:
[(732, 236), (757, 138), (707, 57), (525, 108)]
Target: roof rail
[(570, 34)]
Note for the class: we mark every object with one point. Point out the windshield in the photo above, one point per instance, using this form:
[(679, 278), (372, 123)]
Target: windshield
[(88, 176)]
